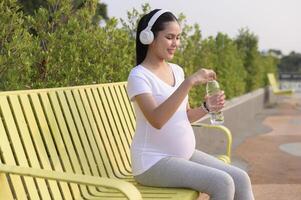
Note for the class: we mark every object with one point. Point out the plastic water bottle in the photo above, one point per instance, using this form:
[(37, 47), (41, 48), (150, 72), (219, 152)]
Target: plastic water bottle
[(212, 88)]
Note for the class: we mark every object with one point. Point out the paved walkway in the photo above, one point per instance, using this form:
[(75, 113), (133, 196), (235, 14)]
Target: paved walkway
[(273, 157)]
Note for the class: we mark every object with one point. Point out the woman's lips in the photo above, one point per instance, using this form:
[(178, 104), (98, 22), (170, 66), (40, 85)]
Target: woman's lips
[(171, 51)]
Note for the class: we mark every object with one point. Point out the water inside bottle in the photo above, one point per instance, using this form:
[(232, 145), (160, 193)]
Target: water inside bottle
[(212, 88), (217, 118)]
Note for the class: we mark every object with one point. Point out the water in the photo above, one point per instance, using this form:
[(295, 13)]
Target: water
[(216, 117)]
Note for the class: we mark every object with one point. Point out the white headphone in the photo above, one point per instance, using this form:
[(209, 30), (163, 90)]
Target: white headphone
[(147, 36)]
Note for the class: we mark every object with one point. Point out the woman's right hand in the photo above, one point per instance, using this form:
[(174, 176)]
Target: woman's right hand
[(202, 76)]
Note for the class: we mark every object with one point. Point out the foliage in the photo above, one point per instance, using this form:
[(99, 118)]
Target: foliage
[(73, 51), (247, 44), (291, 63), (229, 66), (57, 45), (31, 6), (268, 64), (16, 47)]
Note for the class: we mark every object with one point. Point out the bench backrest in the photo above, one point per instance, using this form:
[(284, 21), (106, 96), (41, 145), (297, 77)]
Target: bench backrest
[(84, 129)]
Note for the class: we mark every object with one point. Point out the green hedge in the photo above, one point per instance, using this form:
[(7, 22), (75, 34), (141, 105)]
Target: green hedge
[(60, 46)]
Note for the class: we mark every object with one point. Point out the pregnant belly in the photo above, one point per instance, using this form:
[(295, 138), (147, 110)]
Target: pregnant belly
[(178, 141)]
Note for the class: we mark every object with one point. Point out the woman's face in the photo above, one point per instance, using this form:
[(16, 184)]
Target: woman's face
[(167, 41)]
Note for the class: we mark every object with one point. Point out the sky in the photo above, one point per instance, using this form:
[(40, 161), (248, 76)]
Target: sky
[(277, 23)]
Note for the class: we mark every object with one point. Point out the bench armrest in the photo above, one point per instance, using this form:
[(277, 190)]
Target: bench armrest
[(224, 130), (129, 190)]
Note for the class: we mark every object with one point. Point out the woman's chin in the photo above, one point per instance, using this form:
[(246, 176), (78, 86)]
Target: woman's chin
[(169, 56)]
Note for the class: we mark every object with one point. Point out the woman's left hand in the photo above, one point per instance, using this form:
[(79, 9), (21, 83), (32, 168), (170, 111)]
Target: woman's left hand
[(215, 102)]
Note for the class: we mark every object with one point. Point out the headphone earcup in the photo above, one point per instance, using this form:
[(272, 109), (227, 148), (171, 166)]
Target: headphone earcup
[(146, 36)]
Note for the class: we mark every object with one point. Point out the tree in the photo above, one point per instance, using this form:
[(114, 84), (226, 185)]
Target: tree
[(17, 47), (60, 46), (31, 6), (247, 44), (229, 67), (290, 63), (73, 51)]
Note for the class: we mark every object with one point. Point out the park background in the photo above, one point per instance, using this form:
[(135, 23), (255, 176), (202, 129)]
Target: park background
[(57, 43), (74, 42)]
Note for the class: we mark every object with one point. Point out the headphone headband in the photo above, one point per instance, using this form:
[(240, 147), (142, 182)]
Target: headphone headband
[(156, 16)]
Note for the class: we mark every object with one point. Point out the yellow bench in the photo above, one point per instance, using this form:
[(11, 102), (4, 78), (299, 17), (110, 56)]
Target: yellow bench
[(73, 143), (275, 86)]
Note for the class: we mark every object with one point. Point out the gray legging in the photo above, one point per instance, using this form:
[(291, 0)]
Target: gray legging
[(202, 172)]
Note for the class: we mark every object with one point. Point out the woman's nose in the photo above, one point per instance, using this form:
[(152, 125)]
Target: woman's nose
[(175, 42)]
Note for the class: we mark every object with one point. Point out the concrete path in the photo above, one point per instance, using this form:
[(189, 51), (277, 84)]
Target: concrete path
[(273, 157)]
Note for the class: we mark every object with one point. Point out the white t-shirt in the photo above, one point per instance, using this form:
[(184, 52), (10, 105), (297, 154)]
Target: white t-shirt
[(175, 138)]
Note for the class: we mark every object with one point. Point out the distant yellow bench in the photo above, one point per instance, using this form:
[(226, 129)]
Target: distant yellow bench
[(73, 143), (275, 86)]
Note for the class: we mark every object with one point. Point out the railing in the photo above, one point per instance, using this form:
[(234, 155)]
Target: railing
[(290, 76), (290, 80), (291, 84)]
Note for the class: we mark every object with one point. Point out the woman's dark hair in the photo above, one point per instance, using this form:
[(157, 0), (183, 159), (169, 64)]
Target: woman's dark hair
[(141, 49)]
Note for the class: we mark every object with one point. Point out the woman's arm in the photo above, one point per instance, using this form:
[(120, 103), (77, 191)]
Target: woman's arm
[(194, 114), (158, 115)]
